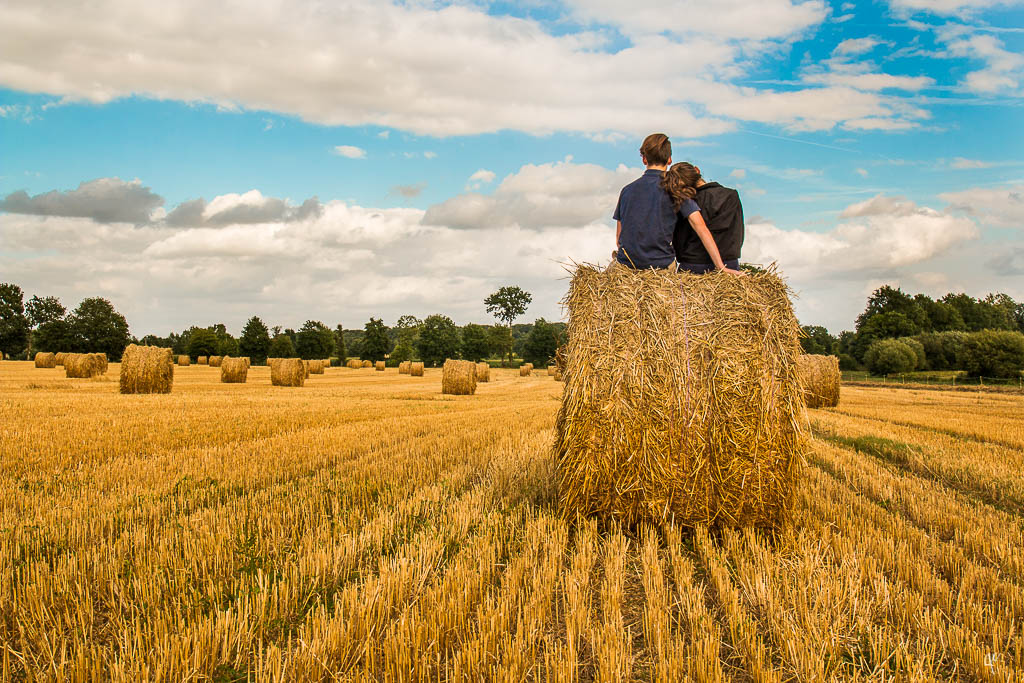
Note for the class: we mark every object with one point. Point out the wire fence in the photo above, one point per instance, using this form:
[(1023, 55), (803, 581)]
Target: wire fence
[(937, 379)]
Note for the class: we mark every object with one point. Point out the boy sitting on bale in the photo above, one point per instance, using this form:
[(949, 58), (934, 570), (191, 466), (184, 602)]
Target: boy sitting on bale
[(649, 208)]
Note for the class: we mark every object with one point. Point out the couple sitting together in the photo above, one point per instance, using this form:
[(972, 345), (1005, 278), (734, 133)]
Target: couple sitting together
[(671, 215)]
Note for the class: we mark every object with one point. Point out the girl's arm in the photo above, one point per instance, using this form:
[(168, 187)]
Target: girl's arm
[(699, 227)]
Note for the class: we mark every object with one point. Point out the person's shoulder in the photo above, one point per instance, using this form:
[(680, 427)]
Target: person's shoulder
[(634, 184)]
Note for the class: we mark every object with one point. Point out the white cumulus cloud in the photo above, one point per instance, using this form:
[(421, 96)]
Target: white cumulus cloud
[(350, 151)]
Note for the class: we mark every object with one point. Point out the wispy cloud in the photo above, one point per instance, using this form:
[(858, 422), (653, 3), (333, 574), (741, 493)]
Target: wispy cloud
[(350, 151)]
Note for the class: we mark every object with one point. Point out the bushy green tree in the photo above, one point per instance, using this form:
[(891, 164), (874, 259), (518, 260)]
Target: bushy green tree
[(255, 341), (918, 349), (407, 329), (890, 356), (97, 327), (314, 341), (992, 353), (942, 348), (507, 304), (14, 324), (888, 325), (376, 343), (203, 342), (476, 344), (42, 310), (339, 344), (502, 342), (438, 340), (228, 346), (817, 340), (281, 347), (541, 343), (888, 299)]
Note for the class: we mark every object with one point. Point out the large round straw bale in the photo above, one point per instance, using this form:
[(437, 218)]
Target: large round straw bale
[(59, 357), (551, 370), (44, 359), (404, 367), (234, 370), (483, 372), (203, 360), (458, 377), (416, 369), (145, 370), (379, 366), (525, 370), (84, 365), (354, 364), (215, 361), (101, 358), (682, 399), (184, 361), (367, 363), (819, 376), (305, 368), (287, 372), (316, 367)]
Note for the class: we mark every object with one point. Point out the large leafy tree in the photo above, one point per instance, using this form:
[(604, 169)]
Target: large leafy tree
[(203, 342), (55, 335), (406, 329), (993, 353), (376, 343), (98, 328), (281, 347), (541, 344), (507, 304), (42, 310), (14, 324), (339, 343), (816, 339), (314, 340), (888, 325), (228, 346), (888, 299), (438, 340), (476, 343), (255, 341)]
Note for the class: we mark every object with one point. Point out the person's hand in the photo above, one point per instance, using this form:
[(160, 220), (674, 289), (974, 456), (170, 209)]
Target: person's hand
[(615, 254), (733, 271)]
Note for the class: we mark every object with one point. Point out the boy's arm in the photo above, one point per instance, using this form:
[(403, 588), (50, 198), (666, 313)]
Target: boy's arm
[(699, 227), (618, 234)]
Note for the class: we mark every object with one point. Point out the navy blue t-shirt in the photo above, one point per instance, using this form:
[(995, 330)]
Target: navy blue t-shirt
[(648, 221)]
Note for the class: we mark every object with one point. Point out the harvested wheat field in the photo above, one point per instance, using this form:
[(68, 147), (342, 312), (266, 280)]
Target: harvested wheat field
[(369, 528)]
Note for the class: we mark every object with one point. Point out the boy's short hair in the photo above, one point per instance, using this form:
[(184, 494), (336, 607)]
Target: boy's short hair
[(656, 149)]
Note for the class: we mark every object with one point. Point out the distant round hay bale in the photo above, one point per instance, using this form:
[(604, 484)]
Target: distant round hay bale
[(215, 361), (682, 400), (145, 370), (234, 370), (552, 369), (101, 358), (416, 369), (59, 357), (305, 368), (379, 366), (354, 364), (184, 361), (483, 372), (287, 372), (819, 377), (203, 360), (458, 377), (45, 359), (84, 365), (404, 367), (367, 363), (529, 365), (558, 375), (525, 370), (316, 367)]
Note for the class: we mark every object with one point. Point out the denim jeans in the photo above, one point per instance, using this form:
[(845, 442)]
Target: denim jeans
[(702, 268)]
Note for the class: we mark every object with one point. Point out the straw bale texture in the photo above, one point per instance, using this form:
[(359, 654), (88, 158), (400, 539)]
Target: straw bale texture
[(416, 369), (46, 360), (367, 363), (529, 365), (354, 364), (84, 365), (215, 361), (202, 360), (184, 361), (525, 370), (146, 370), (458, 377), (551, 370), (560, 358), (682, 399), (287, 372), (379, 366), (59, 357), (234, 370), (404, 367), (316, 367), (558, 375), (483, 372), (819, 376), (305, 369)]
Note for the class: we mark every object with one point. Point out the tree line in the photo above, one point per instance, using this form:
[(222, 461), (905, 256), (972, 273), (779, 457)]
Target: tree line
[(44, 324), (899, 332)]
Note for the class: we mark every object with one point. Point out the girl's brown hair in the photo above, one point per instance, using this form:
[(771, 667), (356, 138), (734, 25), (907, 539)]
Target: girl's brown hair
[(680, 182)]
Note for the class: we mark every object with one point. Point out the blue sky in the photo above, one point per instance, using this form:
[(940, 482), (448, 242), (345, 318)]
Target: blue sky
[(456, 147)]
